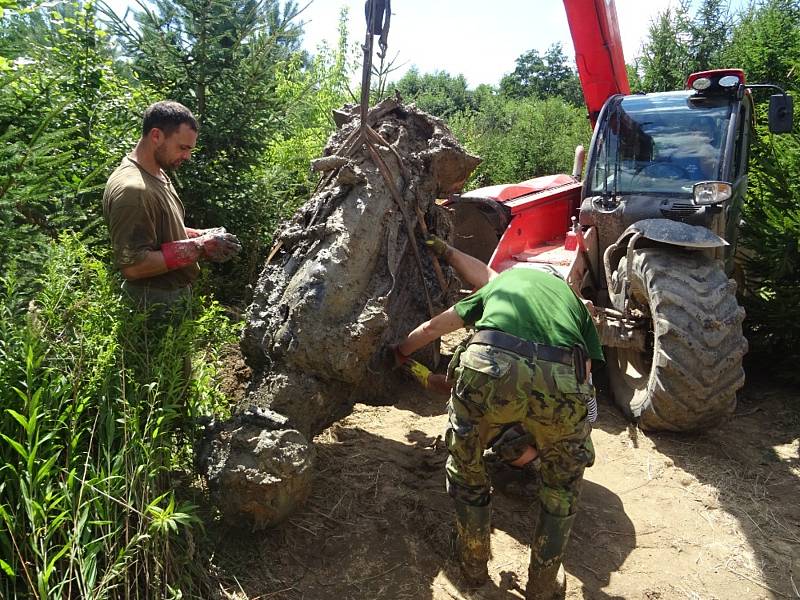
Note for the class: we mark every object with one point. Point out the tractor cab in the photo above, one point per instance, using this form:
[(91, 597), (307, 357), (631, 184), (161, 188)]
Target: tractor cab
[(680, 156), (650, 151)]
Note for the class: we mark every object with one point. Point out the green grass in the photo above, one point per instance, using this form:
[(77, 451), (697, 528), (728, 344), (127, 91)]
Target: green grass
[(95, 435)]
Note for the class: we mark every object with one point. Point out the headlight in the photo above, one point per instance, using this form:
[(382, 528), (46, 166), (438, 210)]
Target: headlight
[(711, 192)]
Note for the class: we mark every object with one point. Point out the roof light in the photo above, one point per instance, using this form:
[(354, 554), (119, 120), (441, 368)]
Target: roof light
[(701, 83), (711, 192), (716, 80)]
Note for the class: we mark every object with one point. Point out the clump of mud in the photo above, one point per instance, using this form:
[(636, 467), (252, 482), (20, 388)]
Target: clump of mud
[(257, 469), (343, 281)]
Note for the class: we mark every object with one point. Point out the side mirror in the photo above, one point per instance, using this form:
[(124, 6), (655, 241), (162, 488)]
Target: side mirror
[(781, 112)]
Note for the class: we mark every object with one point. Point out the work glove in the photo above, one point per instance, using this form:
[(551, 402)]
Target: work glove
[(181, 253), (219, 247), (427, 379), (191, 232), (437, 245)]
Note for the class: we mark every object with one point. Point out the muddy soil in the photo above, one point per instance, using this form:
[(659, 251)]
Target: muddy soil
[(711, 516), (349, 273)]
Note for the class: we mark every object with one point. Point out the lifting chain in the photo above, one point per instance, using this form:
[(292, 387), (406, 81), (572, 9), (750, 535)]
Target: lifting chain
[(378, 15)]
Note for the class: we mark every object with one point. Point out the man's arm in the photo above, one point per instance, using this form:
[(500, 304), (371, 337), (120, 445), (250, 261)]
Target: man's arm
[(470, 269), (151, 265), (213, 246), (430, 330)]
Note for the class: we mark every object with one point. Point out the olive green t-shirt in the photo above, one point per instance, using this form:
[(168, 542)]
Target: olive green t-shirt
[(143, 212), (535, 306)]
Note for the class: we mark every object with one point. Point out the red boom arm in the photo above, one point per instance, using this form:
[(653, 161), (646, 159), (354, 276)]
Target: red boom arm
[(598, 51)]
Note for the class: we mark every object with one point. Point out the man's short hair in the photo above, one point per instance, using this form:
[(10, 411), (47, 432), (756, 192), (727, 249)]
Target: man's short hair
[(167, 116)]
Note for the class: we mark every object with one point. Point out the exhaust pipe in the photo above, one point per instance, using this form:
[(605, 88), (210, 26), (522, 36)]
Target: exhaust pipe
[(577, 165)]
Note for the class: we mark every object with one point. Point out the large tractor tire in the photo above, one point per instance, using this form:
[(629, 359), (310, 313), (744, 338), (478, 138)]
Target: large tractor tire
[(688, 377)]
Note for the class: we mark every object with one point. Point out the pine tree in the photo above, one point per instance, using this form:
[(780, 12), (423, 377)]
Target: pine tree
[(220, 58), (710, 29), (766, 44), (666, 59)]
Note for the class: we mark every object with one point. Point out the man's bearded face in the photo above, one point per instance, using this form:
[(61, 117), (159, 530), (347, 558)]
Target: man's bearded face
[(172, 150)]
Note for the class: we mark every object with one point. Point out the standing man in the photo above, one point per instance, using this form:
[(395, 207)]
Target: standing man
[(155, 252), (528, 363)]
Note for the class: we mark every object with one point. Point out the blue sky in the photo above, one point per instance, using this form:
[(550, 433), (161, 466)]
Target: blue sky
[(480, 39)]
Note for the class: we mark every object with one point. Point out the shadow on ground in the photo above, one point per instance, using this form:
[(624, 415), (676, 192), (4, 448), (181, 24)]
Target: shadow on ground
[(378, 525), (753, 462)]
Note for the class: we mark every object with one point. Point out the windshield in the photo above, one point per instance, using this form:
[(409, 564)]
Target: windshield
[(660, 143)]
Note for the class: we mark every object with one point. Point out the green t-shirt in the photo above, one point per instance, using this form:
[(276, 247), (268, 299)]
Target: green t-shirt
[(143, 212), (532, 305)]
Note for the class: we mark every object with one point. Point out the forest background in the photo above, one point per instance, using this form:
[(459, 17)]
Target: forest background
[(96, 499)]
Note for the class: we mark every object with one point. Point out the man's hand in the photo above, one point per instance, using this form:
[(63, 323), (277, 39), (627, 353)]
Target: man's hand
[(423, 375), (219, 246), (394, 357), (438, 382), (437, 245)]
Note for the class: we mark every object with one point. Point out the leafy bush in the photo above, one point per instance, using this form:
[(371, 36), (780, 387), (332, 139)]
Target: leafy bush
[(65, 121), (440, 94), (95, 434), (521, 139)]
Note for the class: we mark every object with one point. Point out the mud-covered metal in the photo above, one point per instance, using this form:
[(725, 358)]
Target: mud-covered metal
[(676, 233), (345, 281)]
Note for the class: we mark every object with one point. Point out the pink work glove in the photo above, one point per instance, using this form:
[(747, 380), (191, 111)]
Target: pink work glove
[(219, 246), (214, 245)]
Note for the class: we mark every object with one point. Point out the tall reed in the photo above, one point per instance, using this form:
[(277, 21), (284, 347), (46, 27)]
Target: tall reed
[(96, 417)]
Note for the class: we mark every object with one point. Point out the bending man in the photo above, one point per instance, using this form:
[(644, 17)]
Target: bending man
[(527, 363)]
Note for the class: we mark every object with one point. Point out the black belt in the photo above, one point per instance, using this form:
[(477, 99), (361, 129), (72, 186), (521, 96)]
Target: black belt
[(506, 341)]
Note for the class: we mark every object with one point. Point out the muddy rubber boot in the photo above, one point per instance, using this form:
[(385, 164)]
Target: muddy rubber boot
[(473, 541), (546, 577)]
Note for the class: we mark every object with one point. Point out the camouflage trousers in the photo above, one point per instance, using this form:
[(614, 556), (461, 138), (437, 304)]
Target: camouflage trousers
[(494, 388)]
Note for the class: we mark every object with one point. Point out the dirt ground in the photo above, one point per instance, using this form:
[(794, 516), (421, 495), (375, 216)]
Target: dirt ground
[(662, 516)]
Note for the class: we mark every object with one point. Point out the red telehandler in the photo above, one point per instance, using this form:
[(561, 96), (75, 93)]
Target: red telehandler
[(649, 235)]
